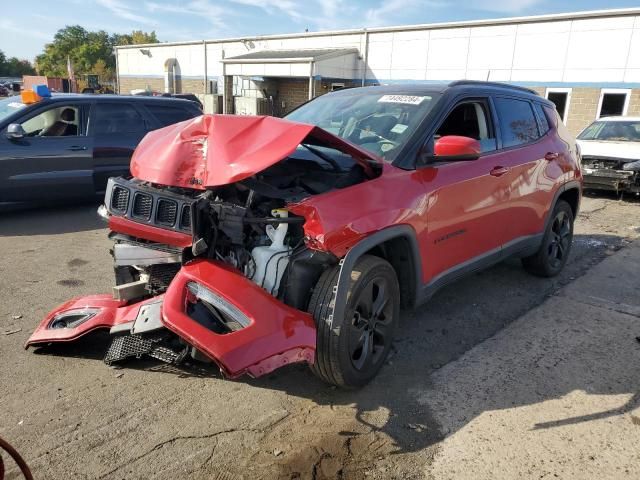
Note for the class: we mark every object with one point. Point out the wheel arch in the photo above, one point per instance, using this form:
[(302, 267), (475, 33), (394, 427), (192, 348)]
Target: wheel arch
[(570, 192), (571, 195), (399, 246)]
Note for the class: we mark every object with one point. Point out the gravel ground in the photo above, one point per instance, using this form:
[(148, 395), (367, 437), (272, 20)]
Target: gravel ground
[(71, 416)]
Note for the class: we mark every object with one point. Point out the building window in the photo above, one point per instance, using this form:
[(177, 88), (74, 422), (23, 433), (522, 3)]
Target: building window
[(613, 102), (560, 97)]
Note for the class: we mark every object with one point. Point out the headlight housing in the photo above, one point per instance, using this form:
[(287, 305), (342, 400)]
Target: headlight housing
[(219, 303), (632, 166), (73, 318)]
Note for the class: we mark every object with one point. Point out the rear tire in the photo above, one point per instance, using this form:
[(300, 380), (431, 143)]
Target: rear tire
[(553, 254), (350, 352)]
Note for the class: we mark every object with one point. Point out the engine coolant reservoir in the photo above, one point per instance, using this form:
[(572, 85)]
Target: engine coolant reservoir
[(271, 260)]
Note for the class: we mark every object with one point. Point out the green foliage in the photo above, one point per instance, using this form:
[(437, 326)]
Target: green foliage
[(89, 52), (14, 67)]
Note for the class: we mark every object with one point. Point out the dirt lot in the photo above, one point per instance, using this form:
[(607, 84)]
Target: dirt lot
[(71, 416)]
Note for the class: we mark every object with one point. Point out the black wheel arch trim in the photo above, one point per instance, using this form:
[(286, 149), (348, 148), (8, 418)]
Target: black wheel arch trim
[(348, 262), (565, 187)]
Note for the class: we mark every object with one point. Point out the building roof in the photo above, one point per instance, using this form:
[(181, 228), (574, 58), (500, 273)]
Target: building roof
[(616, 12)]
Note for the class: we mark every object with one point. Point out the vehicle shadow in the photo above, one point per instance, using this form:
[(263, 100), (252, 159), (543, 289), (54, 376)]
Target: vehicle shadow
[(51, 220), (458, 318), (611, 195)]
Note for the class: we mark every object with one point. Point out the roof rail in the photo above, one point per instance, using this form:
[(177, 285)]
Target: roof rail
[(492, 84)]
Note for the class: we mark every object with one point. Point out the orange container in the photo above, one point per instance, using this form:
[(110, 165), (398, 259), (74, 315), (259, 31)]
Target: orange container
[(29, 96)]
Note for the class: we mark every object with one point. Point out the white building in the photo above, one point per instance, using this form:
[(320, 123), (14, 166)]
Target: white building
[(588, 63)]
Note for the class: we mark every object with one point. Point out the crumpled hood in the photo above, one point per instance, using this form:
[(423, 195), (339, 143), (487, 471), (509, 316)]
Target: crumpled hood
[(214, 150)]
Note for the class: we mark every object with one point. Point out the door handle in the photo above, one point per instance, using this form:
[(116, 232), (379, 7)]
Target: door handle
[(550, 156), (498, 171), (76, 148)]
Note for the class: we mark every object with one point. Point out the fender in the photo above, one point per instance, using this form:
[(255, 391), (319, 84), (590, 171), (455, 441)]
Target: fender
[(570, 185), (348, 262)]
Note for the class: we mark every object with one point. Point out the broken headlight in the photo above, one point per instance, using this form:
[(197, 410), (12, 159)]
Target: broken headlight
[(231, 312), (73, 318), (632, 166)]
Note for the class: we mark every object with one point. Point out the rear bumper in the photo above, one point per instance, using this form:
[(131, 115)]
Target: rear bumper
[(275, 335)]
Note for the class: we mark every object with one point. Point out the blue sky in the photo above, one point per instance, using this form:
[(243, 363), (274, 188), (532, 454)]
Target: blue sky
[(24, 34)]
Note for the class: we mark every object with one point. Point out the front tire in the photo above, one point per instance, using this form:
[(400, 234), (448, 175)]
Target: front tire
[(350, 352), (553, 254)]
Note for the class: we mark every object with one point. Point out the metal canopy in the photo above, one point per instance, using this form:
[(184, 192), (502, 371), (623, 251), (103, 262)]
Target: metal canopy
[(290, 56)]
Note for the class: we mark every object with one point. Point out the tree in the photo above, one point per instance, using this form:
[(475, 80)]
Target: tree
[(14, 67), (89, 52), (137, 37)]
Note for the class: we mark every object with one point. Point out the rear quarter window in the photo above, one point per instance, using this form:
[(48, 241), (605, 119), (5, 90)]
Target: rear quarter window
[(542, 119), (518, 124), (169, 114)]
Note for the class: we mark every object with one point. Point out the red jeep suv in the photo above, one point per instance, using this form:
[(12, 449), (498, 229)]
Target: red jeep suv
[(255, 242)]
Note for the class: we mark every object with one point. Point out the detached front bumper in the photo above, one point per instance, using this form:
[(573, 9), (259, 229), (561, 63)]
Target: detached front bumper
[(275, 334), (269, 334), (610, 179)]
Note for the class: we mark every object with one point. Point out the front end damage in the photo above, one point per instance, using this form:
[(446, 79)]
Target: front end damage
[(212, 256), (613, 174)]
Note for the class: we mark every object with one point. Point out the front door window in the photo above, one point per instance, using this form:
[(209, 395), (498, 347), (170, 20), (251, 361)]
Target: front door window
[(61, 121)]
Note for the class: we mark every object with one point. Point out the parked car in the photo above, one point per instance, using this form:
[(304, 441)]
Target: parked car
[(65, 147), (255, 242), (610, 149), (185, 96)]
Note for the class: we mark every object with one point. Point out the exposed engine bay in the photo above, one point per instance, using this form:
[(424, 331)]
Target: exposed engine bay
[(246, 225)]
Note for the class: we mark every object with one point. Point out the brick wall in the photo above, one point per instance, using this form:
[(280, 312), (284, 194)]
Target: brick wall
[(634, 103), (539, 90), (190, 85), (133, 83), (292, 92), (583, 108), (184, 85)]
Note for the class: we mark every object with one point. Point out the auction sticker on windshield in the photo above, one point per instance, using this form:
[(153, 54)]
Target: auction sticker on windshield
[(406, 99)]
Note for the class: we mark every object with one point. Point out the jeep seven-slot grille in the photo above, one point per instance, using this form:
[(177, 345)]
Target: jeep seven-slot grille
[(120, 198), (185, 218), (167, 212), (142, 205)]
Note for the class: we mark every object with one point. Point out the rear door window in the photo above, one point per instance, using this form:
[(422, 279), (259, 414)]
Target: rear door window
[(168, 115), (518, 123), (109, 118)]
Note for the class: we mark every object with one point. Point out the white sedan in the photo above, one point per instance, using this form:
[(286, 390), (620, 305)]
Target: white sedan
[(610, 149)]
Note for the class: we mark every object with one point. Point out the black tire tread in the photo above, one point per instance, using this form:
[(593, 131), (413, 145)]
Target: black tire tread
[(326, 365), (536, 264)]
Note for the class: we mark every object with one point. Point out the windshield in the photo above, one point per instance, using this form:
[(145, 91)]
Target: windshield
[(378, 122), (618, 131), (10, 105)]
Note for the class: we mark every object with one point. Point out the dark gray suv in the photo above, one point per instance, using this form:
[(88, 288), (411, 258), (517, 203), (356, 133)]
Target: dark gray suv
[(65, 147)]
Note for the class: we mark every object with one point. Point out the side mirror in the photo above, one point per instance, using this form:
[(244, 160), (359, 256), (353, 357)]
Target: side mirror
[(454, 148), (15, 131)]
